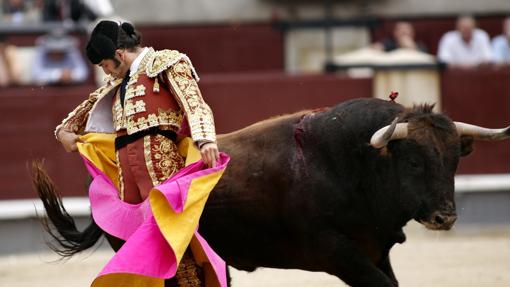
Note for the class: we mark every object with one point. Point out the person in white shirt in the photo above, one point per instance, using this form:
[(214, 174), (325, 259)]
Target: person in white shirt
[(501, 45), (58, 60), (466, 47)]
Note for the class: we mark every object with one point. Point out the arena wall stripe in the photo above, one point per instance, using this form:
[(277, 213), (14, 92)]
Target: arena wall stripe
[(80, 206)]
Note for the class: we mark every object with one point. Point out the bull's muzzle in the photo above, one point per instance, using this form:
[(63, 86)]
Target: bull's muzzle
[(440, 220)]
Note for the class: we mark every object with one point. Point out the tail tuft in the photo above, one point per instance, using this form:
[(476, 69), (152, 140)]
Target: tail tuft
[(57, 222)]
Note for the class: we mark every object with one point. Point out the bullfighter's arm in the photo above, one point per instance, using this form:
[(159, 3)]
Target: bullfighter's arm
[(186, 90), (76, 120), (67, 133)]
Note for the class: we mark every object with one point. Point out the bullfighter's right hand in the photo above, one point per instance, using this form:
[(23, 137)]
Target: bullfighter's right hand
[(68, 140)]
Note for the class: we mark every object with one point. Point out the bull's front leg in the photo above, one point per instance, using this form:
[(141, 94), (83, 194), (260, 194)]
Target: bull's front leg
[(345, 260), (385, 267)]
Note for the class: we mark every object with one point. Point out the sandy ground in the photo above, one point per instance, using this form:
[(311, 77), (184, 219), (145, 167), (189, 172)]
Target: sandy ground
[(453, 259)]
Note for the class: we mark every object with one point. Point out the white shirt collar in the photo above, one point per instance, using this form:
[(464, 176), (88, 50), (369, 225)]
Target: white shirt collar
[(134, 66)]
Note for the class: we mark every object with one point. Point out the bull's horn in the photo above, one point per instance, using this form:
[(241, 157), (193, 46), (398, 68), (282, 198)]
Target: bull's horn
[(388, 133), (479, 133)]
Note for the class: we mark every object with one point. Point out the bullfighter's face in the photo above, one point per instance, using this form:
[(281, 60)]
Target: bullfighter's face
[(116, 67)]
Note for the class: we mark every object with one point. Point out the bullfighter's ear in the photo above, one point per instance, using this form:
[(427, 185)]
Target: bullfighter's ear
[(466, 145)]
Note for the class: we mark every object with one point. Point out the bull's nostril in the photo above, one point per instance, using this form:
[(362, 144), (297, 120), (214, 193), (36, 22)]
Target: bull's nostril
[(439, 219)]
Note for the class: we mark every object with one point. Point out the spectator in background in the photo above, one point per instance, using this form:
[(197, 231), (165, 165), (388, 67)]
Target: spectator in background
[(9, 71), (76, 10), (58, 61), (20, 11), (467, 47), (501, 45), (403, 38), (14, 11)]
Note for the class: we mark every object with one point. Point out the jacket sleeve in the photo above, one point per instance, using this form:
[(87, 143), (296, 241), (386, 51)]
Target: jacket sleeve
[(185, 88), (76, 120)]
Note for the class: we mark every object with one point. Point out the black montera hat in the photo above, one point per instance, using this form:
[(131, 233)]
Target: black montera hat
[(103, 42)]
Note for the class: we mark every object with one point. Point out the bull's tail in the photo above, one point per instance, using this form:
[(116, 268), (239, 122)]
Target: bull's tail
[(58, 223)]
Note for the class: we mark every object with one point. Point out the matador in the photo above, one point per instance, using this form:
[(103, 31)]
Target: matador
[(150, 101)]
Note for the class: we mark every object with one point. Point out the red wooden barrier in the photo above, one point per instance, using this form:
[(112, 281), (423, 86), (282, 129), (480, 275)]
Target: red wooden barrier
[(222, 48), (480, 97), (29, 116)]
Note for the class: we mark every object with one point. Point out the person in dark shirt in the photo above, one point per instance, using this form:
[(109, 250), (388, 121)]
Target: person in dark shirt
[(403, 38)]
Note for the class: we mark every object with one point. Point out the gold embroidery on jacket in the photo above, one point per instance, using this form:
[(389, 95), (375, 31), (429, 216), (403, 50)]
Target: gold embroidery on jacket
[(139, 106), (76, 120), (135, 92), (133, 79), (153, 119), (200, 117), (131, 109), (163, 118), (161, 61), (118, 115), (181, 76), (141, 123)]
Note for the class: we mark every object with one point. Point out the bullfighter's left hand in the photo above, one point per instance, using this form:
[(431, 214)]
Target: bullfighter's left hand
[(210, 153)]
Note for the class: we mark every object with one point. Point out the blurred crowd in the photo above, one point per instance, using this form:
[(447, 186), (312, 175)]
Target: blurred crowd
[(465, 47), (56, 58), (19, 12)]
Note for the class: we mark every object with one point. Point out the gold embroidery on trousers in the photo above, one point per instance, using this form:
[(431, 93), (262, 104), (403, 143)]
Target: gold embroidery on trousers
[(161, 157), (189, 274), (148, 160), (121, 179)]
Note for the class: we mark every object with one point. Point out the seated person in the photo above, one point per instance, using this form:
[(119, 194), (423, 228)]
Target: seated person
[(75, 10), (20, 11), (14, 11), (467, 47), (57, 60), (403, 38), (501, 45), (9, 69)]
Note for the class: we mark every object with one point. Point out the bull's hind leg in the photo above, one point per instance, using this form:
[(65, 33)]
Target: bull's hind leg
[(346, 261)]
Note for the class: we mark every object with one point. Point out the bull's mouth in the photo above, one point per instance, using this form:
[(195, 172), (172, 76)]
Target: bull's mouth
[(439, 221)]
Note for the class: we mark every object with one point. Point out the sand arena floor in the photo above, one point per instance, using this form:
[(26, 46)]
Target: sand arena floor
[(466, 258)]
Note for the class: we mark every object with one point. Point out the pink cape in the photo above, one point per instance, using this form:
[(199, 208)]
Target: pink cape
[(147, 253)]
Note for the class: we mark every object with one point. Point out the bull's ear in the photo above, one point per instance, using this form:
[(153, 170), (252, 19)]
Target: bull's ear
[(466, 145)]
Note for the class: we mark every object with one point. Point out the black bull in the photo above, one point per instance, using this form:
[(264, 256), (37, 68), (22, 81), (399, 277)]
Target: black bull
[(309, 191)]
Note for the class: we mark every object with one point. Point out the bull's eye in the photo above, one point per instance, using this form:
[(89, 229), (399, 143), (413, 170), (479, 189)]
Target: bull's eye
[(414, 164)]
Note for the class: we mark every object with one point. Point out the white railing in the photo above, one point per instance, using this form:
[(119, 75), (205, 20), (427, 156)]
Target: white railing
[(80, 206)]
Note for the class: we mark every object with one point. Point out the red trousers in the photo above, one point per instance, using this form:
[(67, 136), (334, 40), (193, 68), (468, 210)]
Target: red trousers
[(146, 163)]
